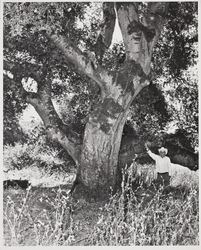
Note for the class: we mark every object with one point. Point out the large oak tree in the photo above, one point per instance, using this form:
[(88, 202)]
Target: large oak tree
[(43, 41)]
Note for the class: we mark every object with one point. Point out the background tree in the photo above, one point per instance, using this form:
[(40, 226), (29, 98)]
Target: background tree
[(46, 43)]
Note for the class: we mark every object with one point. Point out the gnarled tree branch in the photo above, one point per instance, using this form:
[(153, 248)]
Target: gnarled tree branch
[(56, 129)]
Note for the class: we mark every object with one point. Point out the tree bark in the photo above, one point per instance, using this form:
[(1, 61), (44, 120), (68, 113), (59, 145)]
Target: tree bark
[(98, 171)]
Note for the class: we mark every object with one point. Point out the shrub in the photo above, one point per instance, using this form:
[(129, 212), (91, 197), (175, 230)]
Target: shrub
[(25, 155)]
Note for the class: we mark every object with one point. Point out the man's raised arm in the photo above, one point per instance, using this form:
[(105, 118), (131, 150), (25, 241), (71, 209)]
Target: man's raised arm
[(152, 155)]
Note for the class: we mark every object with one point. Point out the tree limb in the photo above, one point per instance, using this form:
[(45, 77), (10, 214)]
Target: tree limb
[(140, 36), (84, 63), (56, 129), (107, 28)]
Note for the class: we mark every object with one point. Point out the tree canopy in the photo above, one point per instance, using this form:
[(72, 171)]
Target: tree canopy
[(24, 32)]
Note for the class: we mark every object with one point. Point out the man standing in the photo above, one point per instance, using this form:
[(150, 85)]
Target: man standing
[(163, 166)]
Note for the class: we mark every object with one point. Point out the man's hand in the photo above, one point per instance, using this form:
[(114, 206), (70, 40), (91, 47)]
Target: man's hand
[(135, 157), (146, 146)]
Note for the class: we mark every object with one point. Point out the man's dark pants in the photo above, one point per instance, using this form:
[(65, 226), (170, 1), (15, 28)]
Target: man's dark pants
[(163, 180)]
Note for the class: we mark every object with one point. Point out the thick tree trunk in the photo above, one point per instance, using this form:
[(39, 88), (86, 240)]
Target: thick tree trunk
[(99, 159), (98, 170)]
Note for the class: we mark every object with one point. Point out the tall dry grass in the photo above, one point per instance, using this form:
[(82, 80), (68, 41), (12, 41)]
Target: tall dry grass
[(153, 217), (44, 221), (136, 216)]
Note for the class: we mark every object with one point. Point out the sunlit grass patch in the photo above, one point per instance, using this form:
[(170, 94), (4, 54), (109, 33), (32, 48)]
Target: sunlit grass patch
[(181, 176), (184, 176), (39, 164)]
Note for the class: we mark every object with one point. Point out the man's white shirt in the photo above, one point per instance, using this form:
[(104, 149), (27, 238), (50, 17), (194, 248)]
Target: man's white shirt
[(163, 165)]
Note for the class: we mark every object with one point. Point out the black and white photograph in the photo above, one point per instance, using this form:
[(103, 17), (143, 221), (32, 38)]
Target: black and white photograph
[(100, 123)]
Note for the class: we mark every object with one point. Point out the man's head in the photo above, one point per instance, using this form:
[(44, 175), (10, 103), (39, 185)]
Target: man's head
[(162, 151)]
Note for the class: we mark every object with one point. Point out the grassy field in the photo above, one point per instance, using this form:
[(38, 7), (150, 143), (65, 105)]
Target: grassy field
[(46, 215)]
